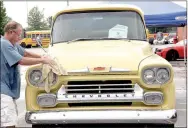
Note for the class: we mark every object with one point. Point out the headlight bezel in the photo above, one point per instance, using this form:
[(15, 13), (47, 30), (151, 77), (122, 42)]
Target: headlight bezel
[(168, 71), (156, 69), (40, 83), (31, 72), (144, 73)]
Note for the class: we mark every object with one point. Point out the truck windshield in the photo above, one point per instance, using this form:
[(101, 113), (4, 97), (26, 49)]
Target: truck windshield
[(98, 24)]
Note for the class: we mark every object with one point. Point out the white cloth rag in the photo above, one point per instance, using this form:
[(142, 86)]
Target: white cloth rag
[(47, 73)]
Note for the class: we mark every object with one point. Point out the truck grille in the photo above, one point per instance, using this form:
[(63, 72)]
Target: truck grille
[(99, 87), (108, 86)]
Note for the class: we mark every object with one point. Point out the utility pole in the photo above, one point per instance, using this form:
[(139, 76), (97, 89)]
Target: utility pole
[(27, 11), (67, 2)]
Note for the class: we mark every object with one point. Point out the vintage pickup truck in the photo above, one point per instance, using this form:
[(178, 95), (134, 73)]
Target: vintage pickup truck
[(113, 76)]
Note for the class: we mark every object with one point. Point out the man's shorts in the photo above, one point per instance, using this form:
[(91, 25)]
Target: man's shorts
[(9, 113)]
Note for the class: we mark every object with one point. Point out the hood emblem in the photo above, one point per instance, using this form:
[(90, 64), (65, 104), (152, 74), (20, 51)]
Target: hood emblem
[(99, 68)]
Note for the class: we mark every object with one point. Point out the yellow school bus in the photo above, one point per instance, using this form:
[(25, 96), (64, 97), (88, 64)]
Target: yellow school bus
[(29, 39)]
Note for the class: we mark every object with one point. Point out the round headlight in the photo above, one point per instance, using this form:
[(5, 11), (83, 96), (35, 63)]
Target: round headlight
[(149, 76), (35, 77), (162, 75)]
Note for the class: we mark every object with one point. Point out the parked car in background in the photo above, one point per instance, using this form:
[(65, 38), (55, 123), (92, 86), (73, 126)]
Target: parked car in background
[(173, 51), (157, 38), (173, 39), (160, 39)]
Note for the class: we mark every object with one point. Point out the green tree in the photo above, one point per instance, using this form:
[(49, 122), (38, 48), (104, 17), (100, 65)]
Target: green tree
[(4, 19), (49, 20), (36, 20), (151, 30)]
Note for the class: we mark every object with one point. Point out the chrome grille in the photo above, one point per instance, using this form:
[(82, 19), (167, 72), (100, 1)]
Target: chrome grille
[(107, 86), (99, 87)]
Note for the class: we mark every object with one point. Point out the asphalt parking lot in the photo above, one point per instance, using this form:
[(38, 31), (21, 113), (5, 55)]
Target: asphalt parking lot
[(180, 81)]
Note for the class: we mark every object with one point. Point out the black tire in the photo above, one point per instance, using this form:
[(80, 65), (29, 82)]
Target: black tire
[(151, 40), (23, 44), (172, 55), (28, 46), (166, 42)]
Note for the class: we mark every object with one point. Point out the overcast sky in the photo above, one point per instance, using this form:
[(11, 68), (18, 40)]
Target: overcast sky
[(18, 10)]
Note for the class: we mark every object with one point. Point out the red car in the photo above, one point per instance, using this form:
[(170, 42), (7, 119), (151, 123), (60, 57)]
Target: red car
[(173, 51)]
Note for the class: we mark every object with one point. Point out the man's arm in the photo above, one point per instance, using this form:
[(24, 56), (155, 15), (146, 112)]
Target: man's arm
[(13, 56), (33, 61), (31, 55), (30, 61), (25, 53)]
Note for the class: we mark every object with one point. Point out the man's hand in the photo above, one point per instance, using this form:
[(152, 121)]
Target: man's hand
[(47, 60)]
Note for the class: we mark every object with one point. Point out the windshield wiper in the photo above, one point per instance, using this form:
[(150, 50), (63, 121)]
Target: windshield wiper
[(103, 38), (106, 38), (80, 39)]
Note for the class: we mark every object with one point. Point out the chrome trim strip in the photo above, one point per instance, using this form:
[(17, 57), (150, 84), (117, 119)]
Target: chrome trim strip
[(99, 98), (119, 70), (99, 89), (136, 96), (102, 116), (79, 70), (84, 85)]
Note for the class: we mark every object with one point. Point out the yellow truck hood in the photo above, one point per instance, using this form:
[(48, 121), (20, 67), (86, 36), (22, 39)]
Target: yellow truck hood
[(119, 54)]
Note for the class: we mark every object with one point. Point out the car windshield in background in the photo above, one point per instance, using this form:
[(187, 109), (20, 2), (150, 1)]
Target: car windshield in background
[(98, 25)]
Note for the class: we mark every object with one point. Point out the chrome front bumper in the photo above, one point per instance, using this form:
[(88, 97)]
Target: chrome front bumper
[(102, 116)]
